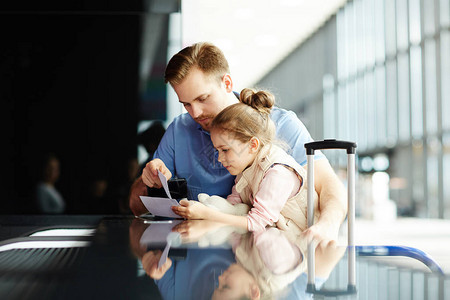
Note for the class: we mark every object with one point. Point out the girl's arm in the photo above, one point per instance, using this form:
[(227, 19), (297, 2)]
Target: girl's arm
[(190, 209), (234, 197), (278, 185)]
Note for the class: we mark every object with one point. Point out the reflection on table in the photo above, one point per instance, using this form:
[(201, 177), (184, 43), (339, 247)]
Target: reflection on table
[(123, 257), (222, 262)]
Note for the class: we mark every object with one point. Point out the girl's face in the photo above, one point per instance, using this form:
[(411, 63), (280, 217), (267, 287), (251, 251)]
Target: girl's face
[(234, 155), (236, 283)]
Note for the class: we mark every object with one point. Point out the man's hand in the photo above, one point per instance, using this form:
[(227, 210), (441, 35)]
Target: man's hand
[(150, 173), (150, 264), (323, 233), (190, 209), (149, 178), (332, 204), (137, 189)]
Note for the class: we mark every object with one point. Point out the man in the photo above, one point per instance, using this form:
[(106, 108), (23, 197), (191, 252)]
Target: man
[(200, 76)]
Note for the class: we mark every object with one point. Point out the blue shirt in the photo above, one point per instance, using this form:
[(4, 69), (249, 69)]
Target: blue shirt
[(195, 276), (187, 151)]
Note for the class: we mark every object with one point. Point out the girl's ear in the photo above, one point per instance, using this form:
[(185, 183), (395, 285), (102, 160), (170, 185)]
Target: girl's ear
[(228, 82), (255, 293), (254, 144)]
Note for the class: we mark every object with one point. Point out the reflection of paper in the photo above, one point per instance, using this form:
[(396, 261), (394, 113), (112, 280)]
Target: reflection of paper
[(172, 237), (164, 255), (160, 206), (163, 180), (156, 234)]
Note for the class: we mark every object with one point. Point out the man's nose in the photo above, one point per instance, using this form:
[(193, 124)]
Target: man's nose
[(196, 111)]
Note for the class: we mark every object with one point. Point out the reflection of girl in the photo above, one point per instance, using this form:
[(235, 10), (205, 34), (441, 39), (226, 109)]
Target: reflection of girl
[(272, 265), (268, 179), (267, 262)]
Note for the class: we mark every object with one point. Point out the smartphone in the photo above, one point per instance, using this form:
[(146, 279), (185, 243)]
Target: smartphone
[(177, 189)]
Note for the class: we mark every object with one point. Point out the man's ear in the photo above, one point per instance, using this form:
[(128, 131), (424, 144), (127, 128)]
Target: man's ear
[(228, 82), (254, 144)]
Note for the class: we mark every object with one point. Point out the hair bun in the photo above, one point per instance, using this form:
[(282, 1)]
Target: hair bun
[(262, 101)]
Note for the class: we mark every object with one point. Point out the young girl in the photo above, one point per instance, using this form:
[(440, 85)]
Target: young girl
[(269, 180)]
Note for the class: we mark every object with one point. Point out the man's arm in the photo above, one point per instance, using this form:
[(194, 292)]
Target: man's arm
[(331, 191), (137, 189), (332, 203)]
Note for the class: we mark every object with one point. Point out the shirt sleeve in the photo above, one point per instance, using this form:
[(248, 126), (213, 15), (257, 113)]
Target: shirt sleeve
[(278, 185), (278, 254), (291, 130), (234, 197), (166, 149), (166, 285)]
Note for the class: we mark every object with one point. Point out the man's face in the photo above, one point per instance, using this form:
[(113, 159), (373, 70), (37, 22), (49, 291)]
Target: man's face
[(204, 97)]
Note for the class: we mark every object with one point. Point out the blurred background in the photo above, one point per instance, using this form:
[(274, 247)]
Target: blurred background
[(82, 82)]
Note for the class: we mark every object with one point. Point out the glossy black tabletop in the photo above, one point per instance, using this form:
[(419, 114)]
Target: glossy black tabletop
[(123, 257)]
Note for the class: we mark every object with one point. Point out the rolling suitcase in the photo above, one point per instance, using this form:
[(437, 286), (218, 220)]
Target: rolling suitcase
[(350, 147)]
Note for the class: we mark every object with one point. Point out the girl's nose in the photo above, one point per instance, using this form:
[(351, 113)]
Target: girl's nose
[(220, 157), (220, 280)]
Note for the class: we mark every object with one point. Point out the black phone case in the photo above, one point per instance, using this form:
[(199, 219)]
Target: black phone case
[(177, 189)]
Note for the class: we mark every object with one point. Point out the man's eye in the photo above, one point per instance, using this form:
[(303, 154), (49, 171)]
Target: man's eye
[(224, 150), (186, 104)]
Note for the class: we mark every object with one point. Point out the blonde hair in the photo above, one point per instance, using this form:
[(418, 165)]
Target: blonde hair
[(248, 118), (205, 56)]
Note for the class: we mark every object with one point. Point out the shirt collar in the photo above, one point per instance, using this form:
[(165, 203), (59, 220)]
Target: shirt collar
[(199, 127)]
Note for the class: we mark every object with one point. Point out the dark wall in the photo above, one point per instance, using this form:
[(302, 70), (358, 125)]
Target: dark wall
[(68, 85)]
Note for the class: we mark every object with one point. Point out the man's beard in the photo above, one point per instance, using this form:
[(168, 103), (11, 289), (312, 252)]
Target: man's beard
[(205, 125)]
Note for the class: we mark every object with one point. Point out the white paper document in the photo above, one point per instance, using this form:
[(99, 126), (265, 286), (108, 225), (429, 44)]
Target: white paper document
[(164, 183), (161, 206)]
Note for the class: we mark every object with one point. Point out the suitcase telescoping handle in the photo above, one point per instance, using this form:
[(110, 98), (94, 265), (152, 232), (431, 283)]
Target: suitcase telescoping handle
[(330, 144), (350, 147)]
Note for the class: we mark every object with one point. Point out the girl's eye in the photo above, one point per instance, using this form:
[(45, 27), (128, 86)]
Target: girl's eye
[(224, 150)]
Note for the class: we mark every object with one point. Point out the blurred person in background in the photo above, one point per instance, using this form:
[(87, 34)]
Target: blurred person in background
[(98, 199), (49, 199), (150, 139)]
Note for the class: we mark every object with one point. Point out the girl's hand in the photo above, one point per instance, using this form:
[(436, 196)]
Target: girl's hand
[(193, 230), (190, 209)]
